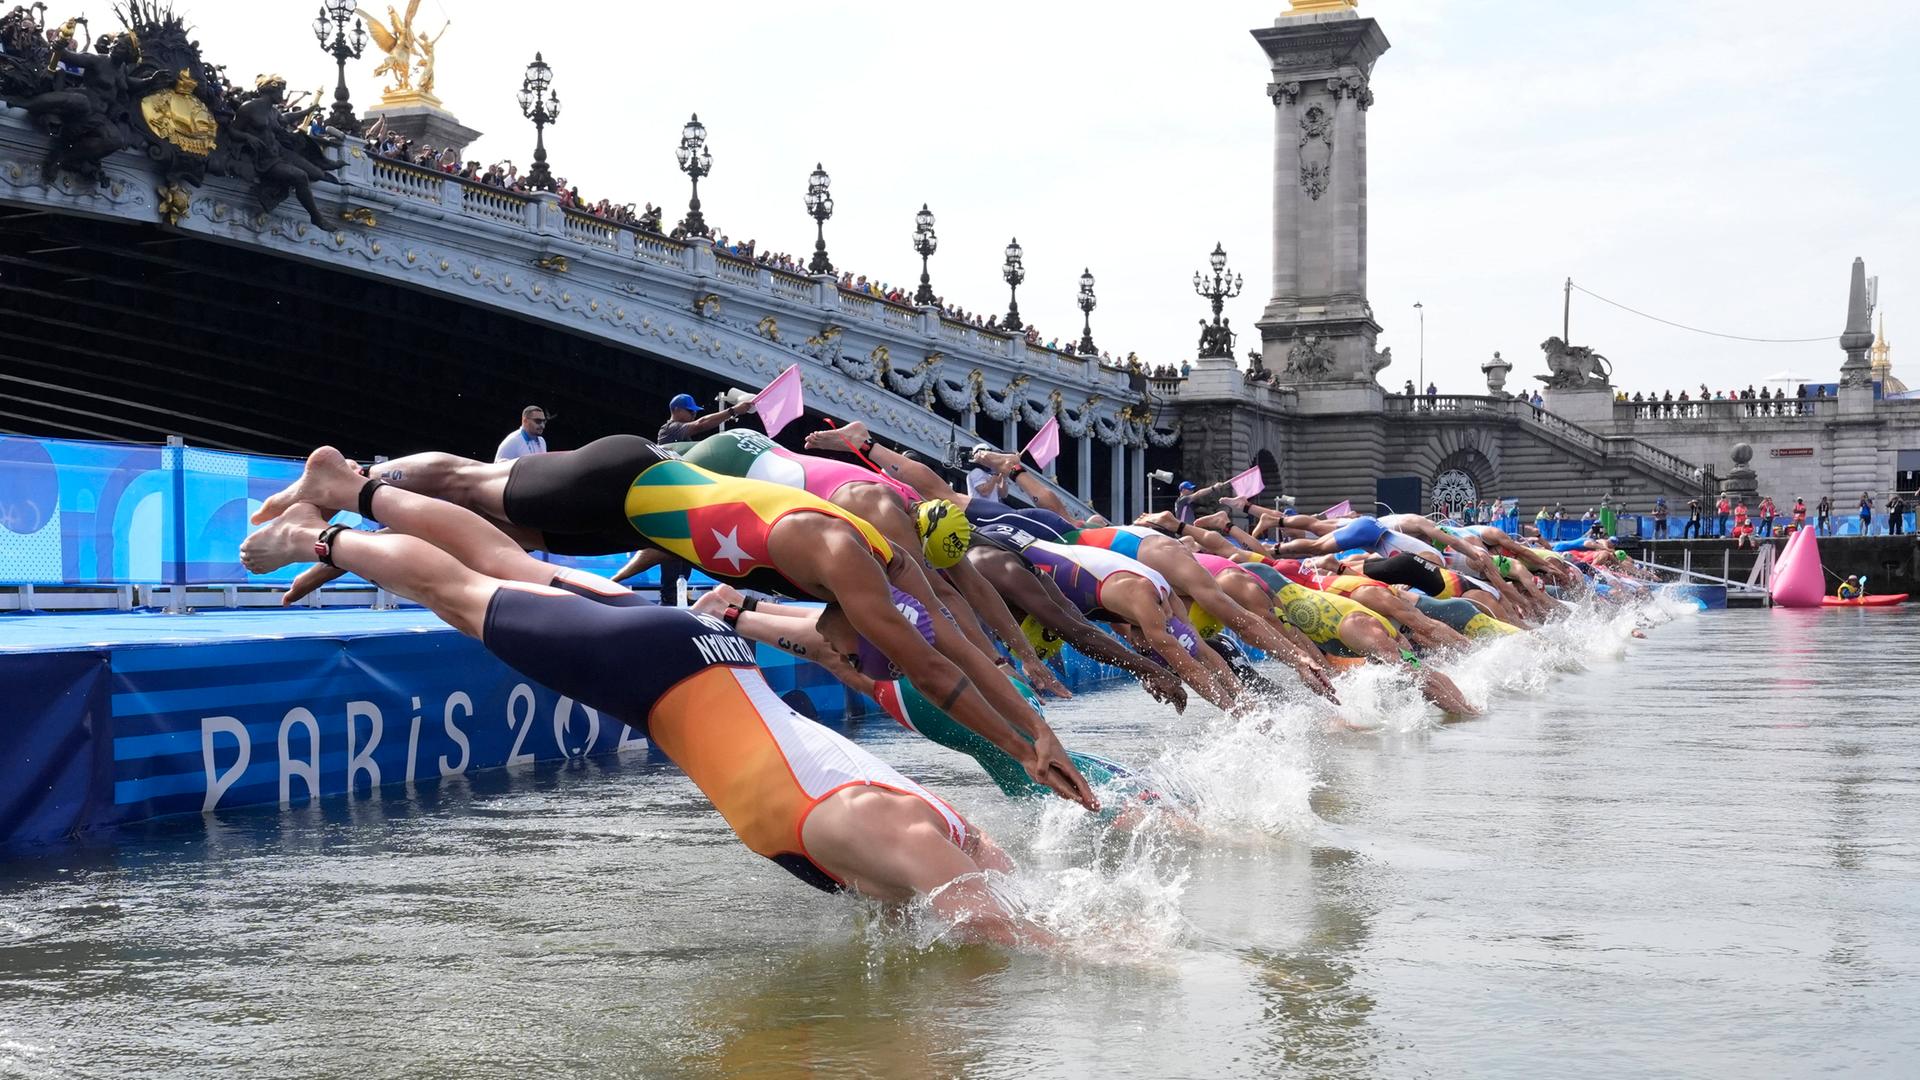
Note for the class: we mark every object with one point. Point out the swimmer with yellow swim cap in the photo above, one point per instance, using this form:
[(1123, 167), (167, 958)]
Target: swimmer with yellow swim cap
[(935, 527)]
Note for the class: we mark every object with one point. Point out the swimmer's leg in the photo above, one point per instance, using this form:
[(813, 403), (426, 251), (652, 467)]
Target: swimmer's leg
[(406, 565)]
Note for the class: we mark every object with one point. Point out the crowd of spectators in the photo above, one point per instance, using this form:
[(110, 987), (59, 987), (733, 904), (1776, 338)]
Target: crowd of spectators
[(506, 176), (1764, 402)]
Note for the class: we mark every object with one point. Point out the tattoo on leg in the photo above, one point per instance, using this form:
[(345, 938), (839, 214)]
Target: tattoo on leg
[(959, 688)]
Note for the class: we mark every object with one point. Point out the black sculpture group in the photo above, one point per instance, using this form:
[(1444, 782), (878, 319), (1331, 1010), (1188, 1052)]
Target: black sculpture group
[(146, 88)]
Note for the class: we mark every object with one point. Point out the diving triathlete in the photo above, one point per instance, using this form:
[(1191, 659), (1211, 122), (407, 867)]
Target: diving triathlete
[(793, 791), (621, 489)]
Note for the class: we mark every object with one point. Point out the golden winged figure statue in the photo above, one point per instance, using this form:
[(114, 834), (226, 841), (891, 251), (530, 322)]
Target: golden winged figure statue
[(394, 36)]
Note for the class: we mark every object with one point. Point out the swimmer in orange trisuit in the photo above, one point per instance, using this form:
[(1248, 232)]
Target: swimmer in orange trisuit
[(793, 791)]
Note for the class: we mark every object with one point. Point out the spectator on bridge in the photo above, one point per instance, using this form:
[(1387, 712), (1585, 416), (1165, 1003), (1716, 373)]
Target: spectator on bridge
[(1660, 517), (1823, 516), (985, 483), (1799, 513), (1432, 392), (685, 424), (1691, 531), (1539, 403), (1896, 510), (1767, 512), (1409, 390), (1721, 510), (529, 438), (1866, 513)]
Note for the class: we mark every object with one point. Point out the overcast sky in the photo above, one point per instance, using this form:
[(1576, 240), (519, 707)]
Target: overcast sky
[(1713, 162)]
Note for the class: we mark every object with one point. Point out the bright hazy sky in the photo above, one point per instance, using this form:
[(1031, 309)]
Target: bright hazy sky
[(1714, 162)]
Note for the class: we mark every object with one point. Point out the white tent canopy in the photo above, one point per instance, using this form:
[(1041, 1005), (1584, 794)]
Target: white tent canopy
[(1786, 377)]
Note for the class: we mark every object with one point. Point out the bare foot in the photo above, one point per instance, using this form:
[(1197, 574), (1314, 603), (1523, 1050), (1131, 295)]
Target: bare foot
[(288, 540), (840, 438), (1216, 521), (328, 480)]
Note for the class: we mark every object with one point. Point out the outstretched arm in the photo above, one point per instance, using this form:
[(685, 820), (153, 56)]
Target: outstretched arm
[(855, 437), (702, 426)]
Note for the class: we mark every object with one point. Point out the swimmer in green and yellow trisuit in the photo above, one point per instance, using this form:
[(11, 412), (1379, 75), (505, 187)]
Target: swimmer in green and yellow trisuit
[(935, 527), (621, 492), (1349, 634)]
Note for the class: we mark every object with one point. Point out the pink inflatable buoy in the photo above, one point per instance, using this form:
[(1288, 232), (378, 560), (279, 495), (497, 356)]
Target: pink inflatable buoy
[(1799, 579)]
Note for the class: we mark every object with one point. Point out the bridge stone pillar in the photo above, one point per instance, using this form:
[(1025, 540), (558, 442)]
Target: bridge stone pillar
[(1116, 480), (1084, 486), (1317, 332), (1010, 432), (1137, 480)]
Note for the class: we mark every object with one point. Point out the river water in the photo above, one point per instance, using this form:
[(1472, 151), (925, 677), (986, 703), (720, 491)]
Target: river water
[(1689, 855)]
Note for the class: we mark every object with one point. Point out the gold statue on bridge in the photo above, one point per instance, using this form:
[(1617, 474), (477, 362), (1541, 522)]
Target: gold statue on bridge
[(406, 49)]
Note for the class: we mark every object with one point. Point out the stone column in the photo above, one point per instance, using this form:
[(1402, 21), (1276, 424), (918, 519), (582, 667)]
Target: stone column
[(1317, 331), (1116, 480), (1137, 504), (1084, 488), (1010, 429), (1344, 189), (1286, 187)]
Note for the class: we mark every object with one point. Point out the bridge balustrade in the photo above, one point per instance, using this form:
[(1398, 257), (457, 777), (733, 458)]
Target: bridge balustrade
[(1738, 409), (593, 230), (408, 181)]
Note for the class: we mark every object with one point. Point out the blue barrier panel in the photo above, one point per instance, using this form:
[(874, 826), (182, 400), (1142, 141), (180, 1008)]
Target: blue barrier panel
[(59, 747), (87, 513), (83, 513), (185, 714)]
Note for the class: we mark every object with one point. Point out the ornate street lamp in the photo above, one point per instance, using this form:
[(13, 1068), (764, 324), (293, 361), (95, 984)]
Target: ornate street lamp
[(1015, 272), (1216, 340), (1086, 308), (820, 205), (541, 105), (331, 23), (696, 162), (926, 244)]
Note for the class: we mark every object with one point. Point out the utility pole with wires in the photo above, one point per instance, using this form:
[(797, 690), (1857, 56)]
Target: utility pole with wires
[(1566, 314)]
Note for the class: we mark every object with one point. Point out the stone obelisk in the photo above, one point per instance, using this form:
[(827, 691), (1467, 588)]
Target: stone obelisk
[(1317, 332)]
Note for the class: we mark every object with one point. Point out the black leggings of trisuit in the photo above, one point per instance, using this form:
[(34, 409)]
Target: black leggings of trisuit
[(578, 498), (1406, 569)]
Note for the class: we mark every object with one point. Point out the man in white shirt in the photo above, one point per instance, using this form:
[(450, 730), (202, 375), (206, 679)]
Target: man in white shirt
[(985, 483), (529, 438)]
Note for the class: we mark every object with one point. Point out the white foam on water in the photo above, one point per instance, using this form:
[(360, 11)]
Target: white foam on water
[(1247, 773), (1109, 886)]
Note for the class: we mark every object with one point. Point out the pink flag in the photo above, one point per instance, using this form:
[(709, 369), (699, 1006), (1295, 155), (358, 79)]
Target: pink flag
[(1343, 508), (780, 403), (1248, 484), (1045, 445)]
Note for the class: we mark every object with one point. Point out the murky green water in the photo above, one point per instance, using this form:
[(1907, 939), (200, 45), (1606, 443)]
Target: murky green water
[(1693, 855)]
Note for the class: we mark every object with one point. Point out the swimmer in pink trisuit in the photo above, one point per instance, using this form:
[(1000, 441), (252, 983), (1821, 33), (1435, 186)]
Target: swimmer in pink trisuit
[(793, 791)]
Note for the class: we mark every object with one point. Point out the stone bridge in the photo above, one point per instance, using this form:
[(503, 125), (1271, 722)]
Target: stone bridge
[(1492, 446), (434, 307)]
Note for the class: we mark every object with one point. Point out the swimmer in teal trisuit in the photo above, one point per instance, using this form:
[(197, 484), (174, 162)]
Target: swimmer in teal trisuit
[(826, 638)]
